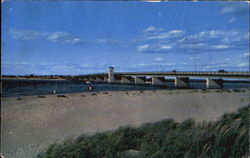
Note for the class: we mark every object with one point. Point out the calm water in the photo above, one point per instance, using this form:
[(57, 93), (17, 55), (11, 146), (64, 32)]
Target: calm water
[(15, 87)]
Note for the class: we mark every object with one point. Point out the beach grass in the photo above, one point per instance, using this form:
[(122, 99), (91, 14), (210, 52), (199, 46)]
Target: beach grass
[(227, 137)]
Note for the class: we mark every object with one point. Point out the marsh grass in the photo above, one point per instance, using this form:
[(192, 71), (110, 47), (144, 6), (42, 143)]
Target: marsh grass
[(226, 138)]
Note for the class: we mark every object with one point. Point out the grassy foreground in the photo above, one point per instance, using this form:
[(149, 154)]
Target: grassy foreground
[(226, 138)]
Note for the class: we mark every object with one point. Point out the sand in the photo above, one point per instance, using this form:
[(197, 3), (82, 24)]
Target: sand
[(29, 124)]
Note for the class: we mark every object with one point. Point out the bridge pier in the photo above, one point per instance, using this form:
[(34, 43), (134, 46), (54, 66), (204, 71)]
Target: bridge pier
[(85, 79), (214, 83), (126, 80), (140, 80), (158, 80), (117, 79), (98, 79), (78, 79), (111, 76), (92, 79), (105, 79), (181, 82)]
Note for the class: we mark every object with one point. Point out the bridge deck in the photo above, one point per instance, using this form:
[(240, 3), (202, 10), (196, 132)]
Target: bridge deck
[(244, 75)]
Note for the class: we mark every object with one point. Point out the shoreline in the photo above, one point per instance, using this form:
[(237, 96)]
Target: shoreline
[(119, 91), (33, 122)]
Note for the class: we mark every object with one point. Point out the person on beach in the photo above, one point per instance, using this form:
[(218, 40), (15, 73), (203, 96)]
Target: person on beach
[(90, 88)]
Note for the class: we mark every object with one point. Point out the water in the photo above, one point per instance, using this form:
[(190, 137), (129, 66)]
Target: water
[(17, 87)]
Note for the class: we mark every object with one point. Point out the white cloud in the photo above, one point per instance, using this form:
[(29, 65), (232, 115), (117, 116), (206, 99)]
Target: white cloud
[(245, 56), (205, 41), (52, 37), (152, 64), (166, 47), (204, 35), (166, 35), (195, 45), (243, 65), (150, 28), (155, 48), (238, 9), (73, 40), (159, 59), (63, 37), (223, 36), (57, 36), (194, 58), (143, 47), (235, 36), (26, 34), (220, 46), (26, 64), (228, 10), (176, 32)]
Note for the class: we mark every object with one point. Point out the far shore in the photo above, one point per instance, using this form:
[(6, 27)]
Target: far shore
[(31, 78), (167, 80), (30, 123)]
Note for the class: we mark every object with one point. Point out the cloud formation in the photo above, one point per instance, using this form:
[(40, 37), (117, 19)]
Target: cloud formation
[(236, 9), (152, 28), (165, 35), (159, 59), (57, 37), (180, 41), (63, 37), (245, 56), (143, 47), (38, 35), (26, 34)]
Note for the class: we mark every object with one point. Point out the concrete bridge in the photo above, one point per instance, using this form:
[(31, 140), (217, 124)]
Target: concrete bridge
[(214, 79)]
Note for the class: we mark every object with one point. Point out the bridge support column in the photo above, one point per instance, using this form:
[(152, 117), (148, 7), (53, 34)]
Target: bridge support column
[(111, 76), (126, 80), (158, 80), (92, 79), (214, 83), (181, 82), (140, 80), (85, 79), (105, 79), (98, 79)]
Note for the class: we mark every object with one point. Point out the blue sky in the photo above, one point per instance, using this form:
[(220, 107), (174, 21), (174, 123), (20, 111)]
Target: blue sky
[(73, 37)]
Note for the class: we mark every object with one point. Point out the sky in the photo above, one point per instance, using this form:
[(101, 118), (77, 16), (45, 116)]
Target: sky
[(76, 37)]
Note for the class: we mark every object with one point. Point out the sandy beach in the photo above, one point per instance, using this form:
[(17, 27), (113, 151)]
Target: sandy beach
[(29, 124)]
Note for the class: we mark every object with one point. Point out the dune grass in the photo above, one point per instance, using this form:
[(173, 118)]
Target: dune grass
[(226, 138)]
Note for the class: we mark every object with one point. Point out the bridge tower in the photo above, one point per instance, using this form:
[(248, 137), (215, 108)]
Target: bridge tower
[(111, 76)]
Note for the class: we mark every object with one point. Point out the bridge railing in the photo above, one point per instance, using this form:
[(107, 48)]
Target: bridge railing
[(179, 73), (186, 73)]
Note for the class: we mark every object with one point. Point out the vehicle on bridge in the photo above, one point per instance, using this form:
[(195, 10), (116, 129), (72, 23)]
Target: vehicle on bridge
[(221, 71)]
